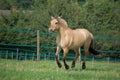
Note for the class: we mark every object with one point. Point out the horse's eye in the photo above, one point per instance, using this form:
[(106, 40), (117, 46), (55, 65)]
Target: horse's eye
[(56, 23)]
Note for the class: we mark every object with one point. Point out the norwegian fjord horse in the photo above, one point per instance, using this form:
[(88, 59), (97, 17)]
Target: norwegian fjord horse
[(71, 39)]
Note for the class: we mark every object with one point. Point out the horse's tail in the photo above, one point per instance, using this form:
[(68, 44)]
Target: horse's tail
[(92, 50)]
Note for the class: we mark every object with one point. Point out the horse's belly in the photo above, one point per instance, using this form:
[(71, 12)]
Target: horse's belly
[(76, 45), (70, 43)]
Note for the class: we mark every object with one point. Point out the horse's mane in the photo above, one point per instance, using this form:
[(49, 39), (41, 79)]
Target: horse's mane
[(62, 21)]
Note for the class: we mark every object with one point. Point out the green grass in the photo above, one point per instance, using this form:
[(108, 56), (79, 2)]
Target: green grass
[(48, 70)]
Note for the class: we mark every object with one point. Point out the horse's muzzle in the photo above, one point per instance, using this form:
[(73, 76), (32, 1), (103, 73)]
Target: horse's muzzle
[(51, 30)]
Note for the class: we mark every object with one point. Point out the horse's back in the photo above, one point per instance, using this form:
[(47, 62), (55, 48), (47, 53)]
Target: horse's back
[(83, 33), (80, 36)]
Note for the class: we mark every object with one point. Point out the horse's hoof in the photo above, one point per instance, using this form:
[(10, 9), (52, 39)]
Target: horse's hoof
[(72, 66), (67, 67), (59, 65), (83, 67)]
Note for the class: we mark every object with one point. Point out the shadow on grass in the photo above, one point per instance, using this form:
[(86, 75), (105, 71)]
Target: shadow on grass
[(88, 69)]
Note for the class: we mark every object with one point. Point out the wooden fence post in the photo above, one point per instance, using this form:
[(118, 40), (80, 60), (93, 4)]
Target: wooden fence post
[(17, 53), (38, 45), (12, 55), (32, 56), (6, 54), (0, 54)]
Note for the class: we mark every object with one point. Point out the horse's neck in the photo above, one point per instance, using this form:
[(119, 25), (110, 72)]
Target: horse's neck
[(62, 30)]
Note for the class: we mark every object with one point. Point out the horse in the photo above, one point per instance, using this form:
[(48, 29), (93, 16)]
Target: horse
[(69, 39)]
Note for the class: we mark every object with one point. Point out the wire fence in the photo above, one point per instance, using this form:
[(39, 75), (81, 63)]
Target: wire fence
[(29, 52), (21, 54)]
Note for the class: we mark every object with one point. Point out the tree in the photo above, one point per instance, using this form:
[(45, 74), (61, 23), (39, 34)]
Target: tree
[(101, 18), (8, 4)]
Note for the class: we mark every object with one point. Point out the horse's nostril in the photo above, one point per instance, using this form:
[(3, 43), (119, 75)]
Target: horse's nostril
[(50, 30)]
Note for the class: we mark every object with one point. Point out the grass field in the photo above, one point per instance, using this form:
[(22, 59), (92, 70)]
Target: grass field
[(48, 70)]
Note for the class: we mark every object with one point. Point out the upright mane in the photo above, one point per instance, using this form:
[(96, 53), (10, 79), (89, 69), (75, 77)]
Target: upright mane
[(62, 21)]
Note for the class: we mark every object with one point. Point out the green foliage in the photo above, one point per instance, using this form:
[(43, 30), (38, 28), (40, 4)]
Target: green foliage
[(8, 4), (16, 21), (101, 17)]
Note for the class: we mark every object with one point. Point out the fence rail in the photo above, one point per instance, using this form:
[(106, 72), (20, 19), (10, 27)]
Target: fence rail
[(22, 54)]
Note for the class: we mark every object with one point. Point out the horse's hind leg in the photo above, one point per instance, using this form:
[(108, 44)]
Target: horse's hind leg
[(77, 51), (86, 49), (64, 58), (85, 57), (56, 55)]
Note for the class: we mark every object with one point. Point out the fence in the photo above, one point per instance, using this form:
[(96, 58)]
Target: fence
[(31, 52), (21, 54)]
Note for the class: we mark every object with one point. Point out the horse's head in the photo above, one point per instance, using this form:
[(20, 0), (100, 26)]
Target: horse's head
[(54, 24)]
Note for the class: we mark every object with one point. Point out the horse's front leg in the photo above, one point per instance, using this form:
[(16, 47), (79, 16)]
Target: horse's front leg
[(57, 55), (64, 57)]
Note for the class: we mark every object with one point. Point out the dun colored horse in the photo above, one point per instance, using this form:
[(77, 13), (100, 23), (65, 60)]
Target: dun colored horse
[(71, 39)]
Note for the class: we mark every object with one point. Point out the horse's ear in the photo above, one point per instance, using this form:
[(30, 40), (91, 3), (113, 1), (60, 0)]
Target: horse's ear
[(52, 17)]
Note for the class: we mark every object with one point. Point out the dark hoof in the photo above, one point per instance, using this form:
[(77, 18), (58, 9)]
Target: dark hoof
[(83, 65), (72, 66), (59, 64), (67, 67)]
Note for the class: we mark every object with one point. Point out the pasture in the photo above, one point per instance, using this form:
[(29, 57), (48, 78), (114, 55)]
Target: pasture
[(48, 70)]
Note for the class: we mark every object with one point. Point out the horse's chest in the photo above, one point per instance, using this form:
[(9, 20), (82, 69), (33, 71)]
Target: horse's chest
[(61, 43), (64, 42)]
